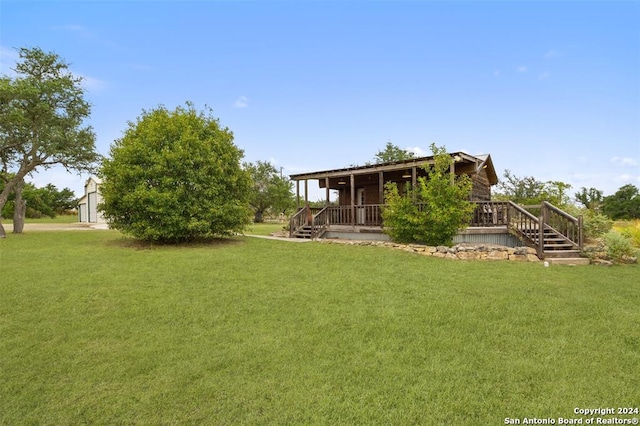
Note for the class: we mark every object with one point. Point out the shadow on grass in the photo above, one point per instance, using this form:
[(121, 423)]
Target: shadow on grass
[(138, 244)]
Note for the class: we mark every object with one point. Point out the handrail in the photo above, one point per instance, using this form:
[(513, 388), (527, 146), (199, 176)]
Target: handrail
[(563, 223), (525, 226), (320, 223), (298, 220)]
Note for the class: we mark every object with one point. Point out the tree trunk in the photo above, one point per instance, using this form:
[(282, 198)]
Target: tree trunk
[(258, 218), (9, 186), (19, 208)]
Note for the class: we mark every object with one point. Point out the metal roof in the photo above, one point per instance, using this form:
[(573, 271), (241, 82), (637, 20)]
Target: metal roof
[(482, 162)]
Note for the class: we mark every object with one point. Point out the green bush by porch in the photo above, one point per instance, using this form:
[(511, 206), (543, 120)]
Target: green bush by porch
[(434, 210)]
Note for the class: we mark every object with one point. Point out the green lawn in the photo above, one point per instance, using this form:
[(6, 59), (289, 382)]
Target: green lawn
[(66, 218), (265, 228), (98, 329)]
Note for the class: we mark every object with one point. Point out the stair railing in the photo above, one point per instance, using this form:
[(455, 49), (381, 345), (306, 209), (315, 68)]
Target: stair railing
[(525, 226), (298, 220), (320, 223), (563, 223)]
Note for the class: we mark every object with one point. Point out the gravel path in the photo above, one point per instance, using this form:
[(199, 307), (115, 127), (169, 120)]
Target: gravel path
[(77, 226)]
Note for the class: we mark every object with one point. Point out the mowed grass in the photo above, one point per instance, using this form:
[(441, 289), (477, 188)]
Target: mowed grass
[(265, 228), (98, 329), (61, 218)]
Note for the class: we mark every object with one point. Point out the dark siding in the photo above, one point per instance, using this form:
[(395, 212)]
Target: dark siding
[(481, 187), (481, 191)]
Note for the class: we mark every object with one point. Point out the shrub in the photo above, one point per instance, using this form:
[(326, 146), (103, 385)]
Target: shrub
[(596, 224), (631, 230), (619, 247), (175, 176), (444, 206), (400, 216)]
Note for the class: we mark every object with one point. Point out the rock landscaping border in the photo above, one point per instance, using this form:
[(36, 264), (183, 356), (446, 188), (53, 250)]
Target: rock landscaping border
[(466, 251)]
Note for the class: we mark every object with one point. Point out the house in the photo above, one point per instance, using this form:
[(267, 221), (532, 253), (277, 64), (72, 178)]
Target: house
[(361, 200), (88, 204), (364, 185)]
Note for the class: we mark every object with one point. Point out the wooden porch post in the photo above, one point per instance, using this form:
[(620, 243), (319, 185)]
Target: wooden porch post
[(353, 199), (381, 188), (452, 171), (306, 192), (326, 185), (414, 181), (298, 194)]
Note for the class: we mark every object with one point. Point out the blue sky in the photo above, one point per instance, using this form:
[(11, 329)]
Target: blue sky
[(549, 89)]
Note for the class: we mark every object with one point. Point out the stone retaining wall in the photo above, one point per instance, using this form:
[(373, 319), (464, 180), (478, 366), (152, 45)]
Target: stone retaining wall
[(464, 251)]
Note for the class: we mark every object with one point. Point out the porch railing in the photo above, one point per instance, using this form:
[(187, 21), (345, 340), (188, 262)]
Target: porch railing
[(514, 217), (490, 213), (487, 213)]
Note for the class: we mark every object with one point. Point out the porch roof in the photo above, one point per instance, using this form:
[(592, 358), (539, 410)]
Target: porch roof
[(478, 162)]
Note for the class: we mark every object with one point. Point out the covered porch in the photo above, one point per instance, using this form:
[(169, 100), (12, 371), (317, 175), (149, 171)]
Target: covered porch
[(553, 232), (361, 189)]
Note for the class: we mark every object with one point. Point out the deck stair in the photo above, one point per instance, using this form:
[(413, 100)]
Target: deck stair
[(309, 224), (555, 245), (309, 232), (561, 239)]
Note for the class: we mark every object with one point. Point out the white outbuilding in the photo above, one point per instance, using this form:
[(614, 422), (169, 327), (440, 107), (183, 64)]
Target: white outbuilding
[(88, 204)]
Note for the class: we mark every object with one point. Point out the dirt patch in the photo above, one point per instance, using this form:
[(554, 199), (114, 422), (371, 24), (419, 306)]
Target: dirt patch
[(76, 226)]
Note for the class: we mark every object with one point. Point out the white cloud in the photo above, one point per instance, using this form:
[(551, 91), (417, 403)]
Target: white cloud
[(85, 33), (92, 84), (553, 53), (241, 102), (419, 152), (74, 28), (522, 68), (543, 76), (624, 161), (626, 178)]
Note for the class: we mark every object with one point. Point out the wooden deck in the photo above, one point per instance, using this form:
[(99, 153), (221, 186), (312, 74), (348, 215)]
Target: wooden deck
[(561, 234)]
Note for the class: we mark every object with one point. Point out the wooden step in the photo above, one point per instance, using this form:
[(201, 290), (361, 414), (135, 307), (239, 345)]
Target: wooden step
[(307, 232), (568, 261), (559, 246), (567, 254)]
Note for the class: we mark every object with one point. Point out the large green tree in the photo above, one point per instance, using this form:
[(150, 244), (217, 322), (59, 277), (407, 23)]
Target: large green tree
[(590, 198), (624, 204), (433, 211), (392, 153), (39, 202), (175, 176), (42, 123), (270, 190), (528, 190)]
